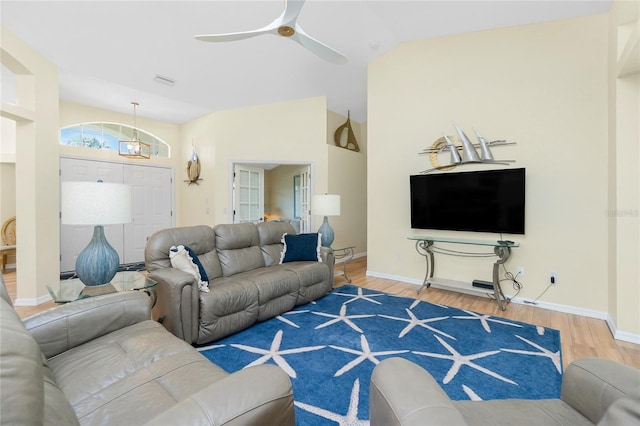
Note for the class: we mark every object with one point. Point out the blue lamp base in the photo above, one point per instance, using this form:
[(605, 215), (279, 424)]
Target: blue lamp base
[(98, 263), (327, 233)]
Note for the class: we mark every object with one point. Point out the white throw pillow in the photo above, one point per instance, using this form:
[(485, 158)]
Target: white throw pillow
[(182, 259)]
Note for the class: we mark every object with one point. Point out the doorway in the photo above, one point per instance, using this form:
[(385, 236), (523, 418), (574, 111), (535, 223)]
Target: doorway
[(261, 191)]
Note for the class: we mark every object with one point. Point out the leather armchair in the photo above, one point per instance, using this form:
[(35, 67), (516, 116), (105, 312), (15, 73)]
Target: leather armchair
[(594, 391)]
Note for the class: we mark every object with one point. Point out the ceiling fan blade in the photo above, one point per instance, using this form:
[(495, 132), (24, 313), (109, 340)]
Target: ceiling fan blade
[(292, 9), (234, 36), (318, 48)]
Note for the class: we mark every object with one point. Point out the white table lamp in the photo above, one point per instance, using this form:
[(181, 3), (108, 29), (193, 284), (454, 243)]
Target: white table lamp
[(326, 205), (96, 203)]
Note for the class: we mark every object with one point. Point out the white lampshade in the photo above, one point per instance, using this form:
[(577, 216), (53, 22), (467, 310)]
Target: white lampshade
[(95, 203), (325, 205)]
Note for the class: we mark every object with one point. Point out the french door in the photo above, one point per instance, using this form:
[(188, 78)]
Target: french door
[(248, 194)]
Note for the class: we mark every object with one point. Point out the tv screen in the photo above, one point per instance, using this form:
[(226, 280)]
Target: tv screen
[(481, 201)]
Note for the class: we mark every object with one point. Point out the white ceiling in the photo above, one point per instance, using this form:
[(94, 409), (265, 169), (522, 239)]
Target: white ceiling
[(108, 53)]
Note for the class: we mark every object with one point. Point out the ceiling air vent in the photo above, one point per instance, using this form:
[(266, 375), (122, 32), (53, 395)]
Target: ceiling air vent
[(164, 80)]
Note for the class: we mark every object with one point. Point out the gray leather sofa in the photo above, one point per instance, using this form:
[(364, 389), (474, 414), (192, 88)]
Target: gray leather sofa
[(102, 361), (594, 391), (247, 283)]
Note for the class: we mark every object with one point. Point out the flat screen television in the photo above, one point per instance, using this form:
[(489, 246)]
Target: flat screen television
[(481, 201)]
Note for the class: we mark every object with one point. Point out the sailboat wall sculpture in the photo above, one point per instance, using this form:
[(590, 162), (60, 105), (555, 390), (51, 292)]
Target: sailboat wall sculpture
[(352, 143), (468, 149)]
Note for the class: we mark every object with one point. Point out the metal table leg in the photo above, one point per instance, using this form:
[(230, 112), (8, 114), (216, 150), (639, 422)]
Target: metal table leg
[(424, 249), (503, 254)]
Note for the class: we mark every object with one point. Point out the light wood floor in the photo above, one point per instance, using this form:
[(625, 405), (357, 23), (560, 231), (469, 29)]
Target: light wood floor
[(580, 336)]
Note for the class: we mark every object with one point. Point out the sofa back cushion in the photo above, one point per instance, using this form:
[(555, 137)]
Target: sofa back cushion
[(200, 239), (270, 234), (238, 248)]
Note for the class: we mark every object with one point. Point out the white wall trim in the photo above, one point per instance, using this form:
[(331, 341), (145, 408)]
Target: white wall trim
[(575, 310), (32, 302)]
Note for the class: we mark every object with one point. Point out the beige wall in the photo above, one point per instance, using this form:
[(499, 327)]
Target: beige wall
[(544, 86), (348, 178), (36, 116), (624, 176), (285, 132)]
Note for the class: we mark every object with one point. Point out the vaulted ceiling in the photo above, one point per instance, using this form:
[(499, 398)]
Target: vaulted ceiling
[(110, 52)]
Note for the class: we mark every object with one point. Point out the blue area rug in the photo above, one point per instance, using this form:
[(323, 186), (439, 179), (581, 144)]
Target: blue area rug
[(329, 349)]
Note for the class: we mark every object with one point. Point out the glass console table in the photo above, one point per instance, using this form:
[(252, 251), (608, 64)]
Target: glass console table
[(73, 289), (345, 253), (425, 246)]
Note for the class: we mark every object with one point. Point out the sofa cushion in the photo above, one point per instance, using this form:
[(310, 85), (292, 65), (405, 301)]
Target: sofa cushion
[(130, 375), (302, 247), (230, 306), (185, 259), (315, 280), (271, 240)]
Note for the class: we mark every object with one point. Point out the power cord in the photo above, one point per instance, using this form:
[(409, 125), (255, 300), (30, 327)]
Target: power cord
[(535, 301), (517, 285)]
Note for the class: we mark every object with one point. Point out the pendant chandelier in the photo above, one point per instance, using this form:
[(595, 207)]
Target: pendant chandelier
[(134, 148)]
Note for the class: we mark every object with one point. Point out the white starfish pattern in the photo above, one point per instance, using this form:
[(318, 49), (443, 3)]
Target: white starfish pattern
[(553, 356), (350, 419), (414, 322), (342, 317), (206, 348), (360, 296), (276, 354), (288, 321), (484, 320), (365, 353), (459, 360), (470, 393)]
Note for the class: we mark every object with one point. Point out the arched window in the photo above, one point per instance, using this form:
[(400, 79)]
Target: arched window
[(107, 135)]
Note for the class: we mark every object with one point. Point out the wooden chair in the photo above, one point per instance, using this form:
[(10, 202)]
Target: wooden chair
[(8, 240)]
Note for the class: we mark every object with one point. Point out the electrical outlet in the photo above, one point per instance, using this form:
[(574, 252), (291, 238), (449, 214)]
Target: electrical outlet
[(553, 277), (520, 271)]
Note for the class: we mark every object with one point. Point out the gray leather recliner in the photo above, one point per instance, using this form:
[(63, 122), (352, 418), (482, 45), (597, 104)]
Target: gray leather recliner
[(594, 391), (101, 360)]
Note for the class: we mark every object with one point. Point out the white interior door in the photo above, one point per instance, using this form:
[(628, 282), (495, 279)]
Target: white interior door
[(248, 194), (74, 238), (152, 193), (152, 203)]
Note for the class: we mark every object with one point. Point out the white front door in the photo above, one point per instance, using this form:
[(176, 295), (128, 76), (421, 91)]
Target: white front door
[(248, 194), (74, 238), (152, 201), (152, 204)]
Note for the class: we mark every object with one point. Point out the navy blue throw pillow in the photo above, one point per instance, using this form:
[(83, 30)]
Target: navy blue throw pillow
[(301, 247)]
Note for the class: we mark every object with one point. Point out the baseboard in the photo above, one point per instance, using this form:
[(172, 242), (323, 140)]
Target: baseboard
[(32, 302), (575, 310)]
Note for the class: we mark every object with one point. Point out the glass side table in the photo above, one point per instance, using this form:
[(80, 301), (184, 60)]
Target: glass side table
[(345, 253), (73, 289)]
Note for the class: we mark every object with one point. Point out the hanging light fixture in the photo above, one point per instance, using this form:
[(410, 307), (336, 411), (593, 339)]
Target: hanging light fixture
[(134, 148)]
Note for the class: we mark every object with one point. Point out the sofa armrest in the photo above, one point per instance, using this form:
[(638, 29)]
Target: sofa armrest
[(327, 256), (67, 326), (259, 395), (403, 393), (177, 306), (591, 385)]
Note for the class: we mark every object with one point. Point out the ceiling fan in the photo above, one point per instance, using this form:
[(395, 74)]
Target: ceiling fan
[(285, 26)]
